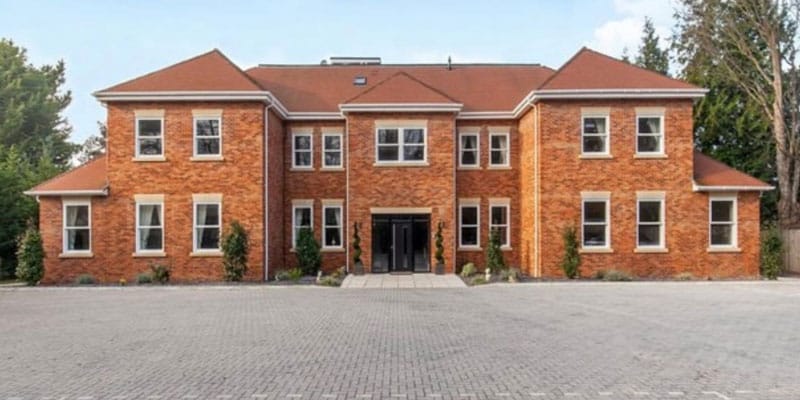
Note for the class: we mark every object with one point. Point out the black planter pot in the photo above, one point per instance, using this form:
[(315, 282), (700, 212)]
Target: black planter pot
[(358, 268), (439, 269)]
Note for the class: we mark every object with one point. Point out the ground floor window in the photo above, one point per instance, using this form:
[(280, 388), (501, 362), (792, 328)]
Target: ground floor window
[(149, 226), (499, 221), (207, 225), (594, 221), (650, 222), (302, 218), (469, 224), (332, 226), (722, 222), (77, 227)]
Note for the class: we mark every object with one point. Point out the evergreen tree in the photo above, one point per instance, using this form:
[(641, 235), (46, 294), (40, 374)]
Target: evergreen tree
[(94, 145), (651, 55)]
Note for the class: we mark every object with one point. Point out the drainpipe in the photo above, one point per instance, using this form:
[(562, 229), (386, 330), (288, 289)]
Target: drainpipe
[(266, 191), (346, 154)]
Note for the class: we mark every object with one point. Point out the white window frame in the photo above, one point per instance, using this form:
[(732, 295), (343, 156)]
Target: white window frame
[(195, 226), (647, 198), (469, 203), (64, 228), (461, 149), (660, 135), (596, 197), (148, 202), (160, 137), (734, 224), (304, 204), (401, 127), (310, 150), (501, 203), (325, 226), (340, 150), (607, 135), (507, 150), (196, 138)]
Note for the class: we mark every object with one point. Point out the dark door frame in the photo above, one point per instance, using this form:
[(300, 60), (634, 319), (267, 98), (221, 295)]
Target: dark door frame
[(416, 240)]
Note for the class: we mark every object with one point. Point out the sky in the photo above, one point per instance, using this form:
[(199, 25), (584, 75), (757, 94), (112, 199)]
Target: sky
[(107, 42)]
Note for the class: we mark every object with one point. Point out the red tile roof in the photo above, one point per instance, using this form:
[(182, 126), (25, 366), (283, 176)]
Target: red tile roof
[(478, 87), (710, 172), (400, 88), (89, 177), (210, 71), (591, 70)]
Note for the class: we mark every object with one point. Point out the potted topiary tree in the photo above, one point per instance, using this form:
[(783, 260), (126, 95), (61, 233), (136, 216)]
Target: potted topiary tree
[(235, 246), (358, 266), (571, 261), (439, 255), (494, 255)]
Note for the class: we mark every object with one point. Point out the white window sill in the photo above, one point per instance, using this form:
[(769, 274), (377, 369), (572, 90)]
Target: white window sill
[(332, 169), (723, 249), (149, 159), (651, 250), (332, 250), (596, 157), (301, 169), (653, 156), (470, 248), (207, 158), (469, 167), (506, 248), (595, 250), (499, 167), (146, 254), (206, 253), (76, 254), (401, 164)]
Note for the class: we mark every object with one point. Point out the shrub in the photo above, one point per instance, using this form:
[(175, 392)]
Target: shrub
[(85, 279), (684, 276), (308, 255), (235, 246), (439, 243), (511, 274), (571, 261), (614, 275), (356, 245), (30, 257), (330, 280), (294, 274), (478, 280), (339, 273), (494, 256), (771, 253), (468, 270), (160, 273), (144, 278)]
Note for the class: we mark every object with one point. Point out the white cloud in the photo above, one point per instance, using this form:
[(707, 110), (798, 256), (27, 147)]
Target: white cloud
[(626, 30)]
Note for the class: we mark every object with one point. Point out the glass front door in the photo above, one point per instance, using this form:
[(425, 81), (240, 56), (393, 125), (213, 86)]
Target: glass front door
[(400, 243)]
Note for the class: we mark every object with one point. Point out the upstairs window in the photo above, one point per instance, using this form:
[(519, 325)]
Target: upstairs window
[(499, 149), (594, 135), (400, 145), (469, 150), (77, 227), (722, 222), (207, 136), (302, 150), (207, 225), (650, 134), (332, 150), (149, 137)]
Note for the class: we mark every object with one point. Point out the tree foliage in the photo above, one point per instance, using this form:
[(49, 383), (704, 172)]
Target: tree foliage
[(571, 261), (235, 247), (651, 55), (309, 257), (356, 245), (494, 255), (31, 257), (94, 145), (439, 244)]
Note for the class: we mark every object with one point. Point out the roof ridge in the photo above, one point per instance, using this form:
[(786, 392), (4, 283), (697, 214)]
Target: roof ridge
[(409, 76), (84, 165), (239, 69), (561, 68)]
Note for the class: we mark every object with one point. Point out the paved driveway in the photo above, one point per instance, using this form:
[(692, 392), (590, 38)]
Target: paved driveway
[(542, 341)]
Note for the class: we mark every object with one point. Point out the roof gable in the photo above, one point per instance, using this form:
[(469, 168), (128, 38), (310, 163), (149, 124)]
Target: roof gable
[(208, 72), (590, 70), (89, 178), (709, 172), (401, 88)]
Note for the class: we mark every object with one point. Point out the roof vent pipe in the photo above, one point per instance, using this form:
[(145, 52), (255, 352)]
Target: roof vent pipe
[(449, 64)]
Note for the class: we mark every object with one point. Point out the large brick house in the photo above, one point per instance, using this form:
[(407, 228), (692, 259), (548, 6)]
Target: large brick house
[(597, 144)]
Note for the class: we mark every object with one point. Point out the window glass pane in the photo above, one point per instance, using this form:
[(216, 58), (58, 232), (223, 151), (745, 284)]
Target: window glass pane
[(302, 217), (649, 211), (333, 216), (207, 146), (594, 125), (387, 136), (722, 211), (594, 144), (333, 158), (721, 235), (499, 142), (207, 127), (388, 153), (150, 215), (208, 238), (594, 235), (413, 153), (502, 234), (469, 142), (469, 236), (78, 239), (150, 239), (333, 237), (649, 125), (469, 158), (207, 214), (499, 157), (302, 142), (302, 159), (499, 216), (77, 216), (469, 215), (149, 127), (414, 136), (649, 235), (333, 142), (149, 147), (594, 211), (647, 144)]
